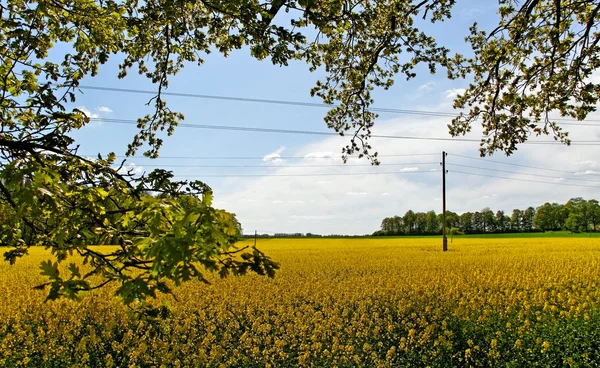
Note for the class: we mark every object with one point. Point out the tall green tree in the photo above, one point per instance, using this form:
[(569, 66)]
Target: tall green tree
[(544, 218), (409, 220), (488, 220), (501, 223), (528, 219), (593, 213), (516, 220), (432, 226)]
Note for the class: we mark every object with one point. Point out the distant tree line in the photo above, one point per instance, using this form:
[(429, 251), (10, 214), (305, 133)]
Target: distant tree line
[(577, 215)]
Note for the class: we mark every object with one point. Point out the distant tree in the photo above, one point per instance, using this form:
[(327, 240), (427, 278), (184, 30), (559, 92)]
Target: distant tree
[(516, 220), (386, 226), (544, 218), (488, 220), (593, 213), (528, 217), (466, 220), (575, 222), (397, 225), (432, 225), (420, 222), (452, 219), (501, 223), (578, 212), (409, 220), (477, 222)]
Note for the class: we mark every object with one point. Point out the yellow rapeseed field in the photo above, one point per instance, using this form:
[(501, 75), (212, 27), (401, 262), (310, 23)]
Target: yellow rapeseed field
[(335, 302)]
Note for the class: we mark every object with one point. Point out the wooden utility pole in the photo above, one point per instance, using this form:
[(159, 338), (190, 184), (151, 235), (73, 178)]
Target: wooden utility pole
[(444, 237), (255, 236)]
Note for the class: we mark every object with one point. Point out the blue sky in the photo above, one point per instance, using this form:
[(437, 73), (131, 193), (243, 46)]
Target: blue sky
[(326, 204)]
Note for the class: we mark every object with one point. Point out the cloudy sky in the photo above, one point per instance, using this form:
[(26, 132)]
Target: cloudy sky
[(297, 183)]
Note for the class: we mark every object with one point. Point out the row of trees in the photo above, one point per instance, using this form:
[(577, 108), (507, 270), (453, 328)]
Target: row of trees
[(576, 215)]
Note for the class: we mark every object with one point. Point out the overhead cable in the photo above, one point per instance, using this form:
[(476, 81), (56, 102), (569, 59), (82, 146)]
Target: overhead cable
[(297, 103), (520, 173), (524, 180), (311, 132), (518, 165)]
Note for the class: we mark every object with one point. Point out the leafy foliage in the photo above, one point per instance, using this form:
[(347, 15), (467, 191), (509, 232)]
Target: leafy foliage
[(538, 60)]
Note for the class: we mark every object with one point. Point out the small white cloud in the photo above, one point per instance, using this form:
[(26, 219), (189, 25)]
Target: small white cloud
[(588, 163), (277, 201), (427, 86), (452, 93), (385, 194), (296, 202), (326, 154), (494, 195), (132, 169), (485, 197), (104, 109), (248, 200), (559, 179), (87, 112), (409, 169), (324, 182), (275, 156), (588, 172), (356, 193), (435, 199)]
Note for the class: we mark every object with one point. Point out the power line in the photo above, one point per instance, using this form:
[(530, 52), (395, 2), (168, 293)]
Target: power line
[(311, 132), (518, 165), (296, 103), (286, 166), (258, 157), (521, 173), (306, 175), (527, 180)]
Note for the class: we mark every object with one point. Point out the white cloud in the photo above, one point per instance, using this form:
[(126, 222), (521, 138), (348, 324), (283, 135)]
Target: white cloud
[(452, 93), (356, 193), (385, 194), (104, 109), (87, 112), (323, 155), (324, 182), (588, 172), (427, 86), (277, 201), (409, 169), (275, 156), (485, 197), (588, 163), (132, 168)]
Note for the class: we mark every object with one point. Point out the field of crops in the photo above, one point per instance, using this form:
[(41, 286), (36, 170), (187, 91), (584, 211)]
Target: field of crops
[(335, 302)]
